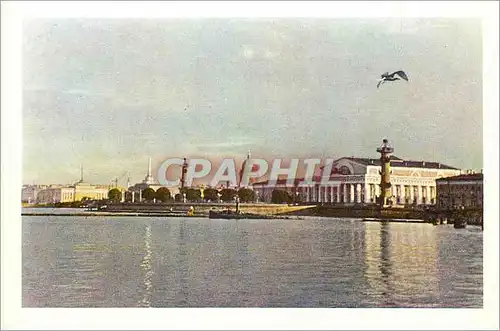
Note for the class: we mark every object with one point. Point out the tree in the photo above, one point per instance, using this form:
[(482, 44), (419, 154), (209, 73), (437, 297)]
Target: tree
[(210, 194), (148, 194), (193, 194), (163, 194), (246, 195), (228, 194), (115, 195), (281, 196)]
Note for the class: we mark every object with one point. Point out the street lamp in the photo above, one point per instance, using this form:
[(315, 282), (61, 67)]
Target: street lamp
[(297, 197), (237, 202), (184, 197)]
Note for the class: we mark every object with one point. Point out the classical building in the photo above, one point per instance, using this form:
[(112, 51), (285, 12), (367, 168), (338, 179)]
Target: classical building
[(29, 193), (460, 191), (77, 192), (356, 180), (148, 182), (70, 193)]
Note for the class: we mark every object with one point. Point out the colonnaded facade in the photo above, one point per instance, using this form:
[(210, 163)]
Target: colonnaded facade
[(356, 181)]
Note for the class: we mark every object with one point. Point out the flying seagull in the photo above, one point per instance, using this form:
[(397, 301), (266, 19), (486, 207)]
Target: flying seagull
[(392, 77)]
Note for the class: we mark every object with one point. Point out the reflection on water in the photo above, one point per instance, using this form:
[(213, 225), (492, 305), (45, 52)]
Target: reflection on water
[(162, 262), (147, 269), (401, 264)]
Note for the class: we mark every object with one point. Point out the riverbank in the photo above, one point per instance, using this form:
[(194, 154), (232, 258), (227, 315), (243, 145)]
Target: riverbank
[(371, 212)]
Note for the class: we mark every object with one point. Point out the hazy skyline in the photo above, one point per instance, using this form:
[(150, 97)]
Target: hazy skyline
[(111, 93)]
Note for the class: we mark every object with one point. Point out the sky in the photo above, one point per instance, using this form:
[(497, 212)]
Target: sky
[(110, 93)]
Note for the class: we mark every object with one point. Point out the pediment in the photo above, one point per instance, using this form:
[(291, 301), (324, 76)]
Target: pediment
[(347, 166)]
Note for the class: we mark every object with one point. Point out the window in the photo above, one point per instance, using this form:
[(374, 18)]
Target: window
[(343, 170)]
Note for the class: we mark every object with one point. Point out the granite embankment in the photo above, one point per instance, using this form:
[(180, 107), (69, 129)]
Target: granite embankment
[(202, 209)]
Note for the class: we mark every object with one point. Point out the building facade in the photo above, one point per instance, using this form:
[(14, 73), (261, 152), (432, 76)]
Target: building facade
[(134, 193), (460, 191), (77, 192), (29, 193), (357, 181)]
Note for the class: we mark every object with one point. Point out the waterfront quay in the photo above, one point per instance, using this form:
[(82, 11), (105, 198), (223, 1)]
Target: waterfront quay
[(473, 216)]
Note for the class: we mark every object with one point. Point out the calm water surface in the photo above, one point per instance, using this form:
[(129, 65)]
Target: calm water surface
[(315, 262)]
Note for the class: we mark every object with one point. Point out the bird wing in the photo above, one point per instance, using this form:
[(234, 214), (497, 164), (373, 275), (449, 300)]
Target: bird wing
[(380, 82), (401, 74)]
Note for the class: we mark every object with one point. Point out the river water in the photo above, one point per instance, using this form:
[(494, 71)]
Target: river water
[(196, 262)]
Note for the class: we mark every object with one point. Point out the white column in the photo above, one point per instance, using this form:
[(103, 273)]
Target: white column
[(123, 196), (412, 194), (133, 196), (367, 192), (428, 195), (402, 194), (377, 190), (331, 194), (307, 194), (338, 193), (419, 195), (351, 195), (358, 193)]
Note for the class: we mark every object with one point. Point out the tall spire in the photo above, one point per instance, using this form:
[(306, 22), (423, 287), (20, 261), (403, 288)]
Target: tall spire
[(149, 178), (149, 168), (81, 173)]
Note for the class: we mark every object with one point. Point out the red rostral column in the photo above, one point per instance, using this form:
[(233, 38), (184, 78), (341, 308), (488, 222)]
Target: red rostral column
[(183, 172), (385, 174)]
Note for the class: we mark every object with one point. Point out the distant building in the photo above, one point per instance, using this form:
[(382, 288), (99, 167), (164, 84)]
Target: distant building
[(148, 182), (463, 190), (29, 193), (77, 192), (71, 193), (356, 180)]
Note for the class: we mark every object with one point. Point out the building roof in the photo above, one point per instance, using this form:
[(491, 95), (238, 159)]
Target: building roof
[(465, 177), (296, 181), (398, 162)]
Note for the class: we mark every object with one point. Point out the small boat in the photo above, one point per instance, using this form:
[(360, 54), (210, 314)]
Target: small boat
[(460, 224)]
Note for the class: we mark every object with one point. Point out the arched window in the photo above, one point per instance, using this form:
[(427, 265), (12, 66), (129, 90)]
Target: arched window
[(343, 170)]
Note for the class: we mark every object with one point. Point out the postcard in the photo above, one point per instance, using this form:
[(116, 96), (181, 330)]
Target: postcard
[(292, 155)]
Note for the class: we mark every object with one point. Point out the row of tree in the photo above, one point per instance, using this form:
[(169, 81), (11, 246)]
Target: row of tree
[(163, 194), (210, 194)]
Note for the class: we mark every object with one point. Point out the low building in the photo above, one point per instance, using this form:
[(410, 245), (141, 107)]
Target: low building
[(356, 181), (460, 191), (29, 193), (77, 192)]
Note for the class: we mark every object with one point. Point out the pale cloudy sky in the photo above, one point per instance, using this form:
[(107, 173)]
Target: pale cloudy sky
[(111, 93)]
